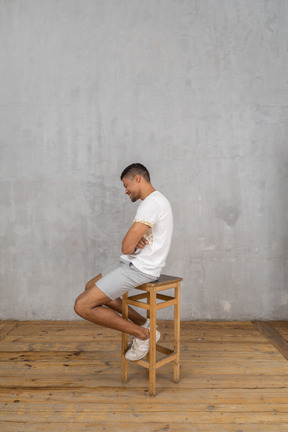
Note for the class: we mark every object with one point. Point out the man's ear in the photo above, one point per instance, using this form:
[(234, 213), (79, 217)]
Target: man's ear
[(138, 178)]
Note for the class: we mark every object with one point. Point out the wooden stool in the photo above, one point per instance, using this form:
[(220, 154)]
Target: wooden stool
[(151, 294)]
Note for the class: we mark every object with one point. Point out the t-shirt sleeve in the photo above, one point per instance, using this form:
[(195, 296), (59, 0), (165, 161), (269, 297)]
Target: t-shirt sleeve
[(148, 213)]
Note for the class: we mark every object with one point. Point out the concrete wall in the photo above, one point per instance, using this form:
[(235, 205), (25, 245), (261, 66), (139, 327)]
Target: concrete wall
[(196, 90)]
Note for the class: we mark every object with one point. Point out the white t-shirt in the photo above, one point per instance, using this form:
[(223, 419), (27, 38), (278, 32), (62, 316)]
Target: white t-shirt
[(154, 211)]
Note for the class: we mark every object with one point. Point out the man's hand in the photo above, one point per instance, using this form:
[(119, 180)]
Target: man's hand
[(142, 243)]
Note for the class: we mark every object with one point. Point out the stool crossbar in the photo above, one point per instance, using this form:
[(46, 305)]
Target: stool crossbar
[(152, 293)]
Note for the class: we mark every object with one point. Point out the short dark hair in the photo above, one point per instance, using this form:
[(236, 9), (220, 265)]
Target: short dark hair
[(136, 168)]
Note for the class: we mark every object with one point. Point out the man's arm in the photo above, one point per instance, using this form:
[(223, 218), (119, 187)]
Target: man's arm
[(133, 237)]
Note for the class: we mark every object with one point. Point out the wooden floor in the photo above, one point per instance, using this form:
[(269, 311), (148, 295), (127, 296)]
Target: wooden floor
[(66, 376)]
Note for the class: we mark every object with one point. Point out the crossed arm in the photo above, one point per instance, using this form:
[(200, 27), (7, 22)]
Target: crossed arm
[(134, 238)]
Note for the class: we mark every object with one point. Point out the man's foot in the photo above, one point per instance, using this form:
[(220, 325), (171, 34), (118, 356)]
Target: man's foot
[(140, 348), (145, 325)]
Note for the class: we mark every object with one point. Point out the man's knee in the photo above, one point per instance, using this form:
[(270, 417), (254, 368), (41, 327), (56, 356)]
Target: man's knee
[(82, 308), (89, 300), (79, 307)]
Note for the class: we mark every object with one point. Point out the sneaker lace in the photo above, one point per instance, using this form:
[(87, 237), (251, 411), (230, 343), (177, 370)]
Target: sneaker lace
[(135, 344)]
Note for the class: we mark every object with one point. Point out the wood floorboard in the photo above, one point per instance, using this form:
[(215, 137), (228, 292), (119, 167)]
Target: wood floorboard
[(6, 328), (274, 336), (132, 427), (66, 376), (281, 327)]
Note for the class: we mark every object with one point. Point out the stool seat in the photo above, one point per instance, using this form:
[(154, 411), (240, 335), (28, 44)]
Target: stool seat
[(152, 293)]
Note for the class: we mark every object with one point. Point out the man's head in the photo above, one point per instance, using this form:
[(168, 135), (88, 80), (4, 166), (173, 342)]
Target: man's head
[(136, 168), (136, 180)]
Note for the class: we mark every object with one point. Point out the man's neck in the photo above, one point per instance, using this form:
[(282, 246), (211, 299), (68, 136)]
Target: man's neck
[(147, 191)]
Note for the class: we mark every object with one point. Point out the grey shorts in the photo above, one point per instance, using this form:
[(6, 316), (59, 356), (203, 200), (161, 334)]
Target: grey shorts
[(122, 279)]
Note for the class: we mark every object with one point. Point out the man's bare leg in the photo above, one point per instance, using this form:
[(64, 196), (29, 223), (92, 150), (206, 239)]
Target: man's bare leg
[(116, 305), (89, 305), (134, 316)]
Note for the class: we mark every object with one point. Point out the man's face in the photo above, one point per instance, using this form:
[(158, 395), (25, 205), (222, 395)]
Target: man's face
[(132, 188)]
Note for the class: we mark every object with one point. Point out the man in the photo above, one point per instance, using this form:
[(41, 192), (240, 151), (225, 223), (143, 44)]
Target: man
[(145, 248)]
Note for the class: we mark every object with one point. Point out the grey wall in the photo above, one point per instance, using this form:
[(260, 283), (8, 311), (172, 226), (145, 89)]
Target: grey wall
[(197, 91)]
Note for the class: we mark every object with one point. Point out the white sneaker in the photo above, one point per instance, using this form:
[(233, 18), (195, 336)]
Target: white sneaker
[(145, 325), (140, 348)]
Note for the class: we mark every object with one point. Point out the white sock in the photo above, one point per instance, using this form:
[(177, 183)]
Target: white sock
[(147, 323)]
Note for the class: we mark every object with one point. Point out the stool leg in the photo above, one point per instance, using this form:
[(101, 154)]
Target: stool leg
[(177, 334), (124, 339), (152, 352)]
